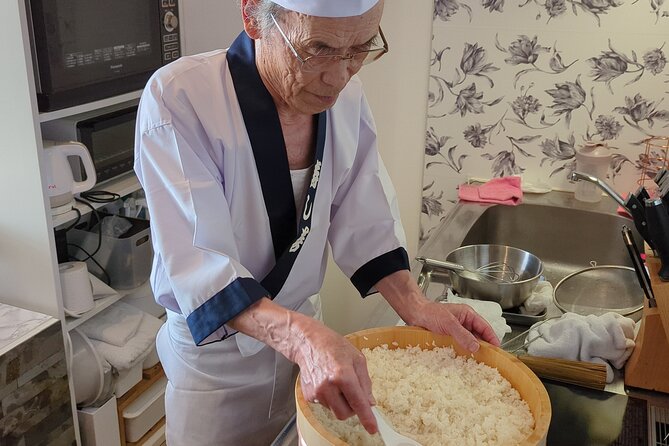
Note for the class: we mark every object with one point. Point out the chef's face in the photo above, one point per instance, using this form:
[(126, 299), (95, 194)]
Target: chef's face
[(302, 88)]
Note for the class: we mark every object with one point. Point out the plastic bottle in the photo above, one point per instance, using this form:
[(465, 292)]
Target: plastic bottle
[(593, 159)]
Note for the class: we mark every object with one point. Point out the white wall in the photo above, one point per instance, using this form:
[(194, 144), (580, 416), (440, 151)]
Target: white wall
[(27, 268), (396, 87), (209, 24)]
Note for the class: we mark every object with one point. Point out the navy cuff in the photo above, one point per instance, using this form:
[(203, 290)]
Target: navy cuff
[(224, 306), (376, 269)]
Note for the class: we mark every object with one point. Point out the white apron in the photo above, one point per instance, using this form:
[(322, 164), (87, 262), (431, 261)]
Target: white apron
[(217, 396)]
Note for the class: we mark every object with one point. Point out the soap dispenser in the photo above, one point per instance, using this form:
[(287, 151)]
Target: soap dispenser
[(594, 159)]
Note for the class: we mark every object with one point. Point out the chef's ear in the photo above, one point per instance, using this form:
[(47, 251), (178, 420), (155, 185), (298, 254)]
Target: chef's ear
[(250, 24)]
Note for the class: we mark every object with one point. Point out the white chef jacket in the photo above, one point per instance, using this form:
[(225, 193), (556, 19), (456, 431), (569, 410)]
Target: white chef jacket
[(211, 158)]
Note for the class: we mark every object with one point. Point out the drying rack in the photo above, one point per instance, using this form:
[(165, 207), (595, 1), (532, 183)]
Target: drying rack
[(655, 157)]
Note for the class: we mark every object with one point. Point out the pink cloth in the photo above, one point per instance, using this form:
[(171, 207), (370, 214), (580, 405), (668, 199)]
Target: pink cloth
[(505, 190), (622, 211)]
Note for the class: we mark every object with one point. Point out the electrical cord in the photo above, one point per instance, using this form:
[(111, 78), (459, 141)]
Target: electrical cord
[(90, 256), (87, 198), (99, 196), (76, 221), (99, 223)]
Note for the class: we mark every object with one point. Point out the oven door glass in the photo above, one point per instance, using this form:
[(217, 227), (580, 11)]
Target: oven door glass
[(80, 42), (110, 140)]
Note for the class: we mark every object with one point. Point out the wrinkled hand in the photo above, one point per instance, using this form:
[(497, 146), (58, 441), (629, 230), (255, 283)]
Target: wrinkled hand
[(334, 373), (459, 321)]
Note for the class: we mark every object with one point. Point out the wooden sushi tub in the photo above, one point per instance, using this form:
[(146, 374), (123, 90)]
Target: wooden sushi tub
[(530, 388)]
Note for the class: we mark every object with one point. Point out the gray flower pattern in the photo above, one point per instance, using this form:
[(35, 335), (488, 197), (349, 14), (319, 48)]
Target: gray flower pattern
[(526, 51), (531, 82), (611, 64), (493, 5), (608, 127), (525, 105), (469, 100), (445, 9), (637, 110), (654, 61), (476, 136), (556, 8), (568, 97), (557, 150), (504, 164)]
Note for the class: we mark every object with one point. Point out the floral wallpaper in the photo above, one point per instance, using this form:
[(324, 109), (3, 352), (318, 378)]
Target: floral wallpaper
[(518, 86)]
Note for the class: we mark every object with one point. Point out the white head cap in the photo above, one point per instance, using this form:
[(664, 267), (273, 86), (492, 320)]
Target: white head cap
[(328, 8)]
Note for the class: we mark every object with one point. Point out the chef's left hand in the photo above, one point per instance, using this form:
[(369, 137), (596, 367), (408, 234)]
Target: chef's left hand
[(459, 321)]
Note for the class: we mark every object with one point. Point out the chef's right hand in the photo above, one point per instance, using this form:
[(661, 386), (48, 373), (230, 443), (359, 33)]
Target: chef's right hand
[(334, 373)]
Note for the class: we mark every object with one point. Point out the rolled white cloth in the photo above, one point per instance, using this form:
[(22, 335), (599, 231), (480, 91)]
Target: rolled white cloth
[(607, 339), (541, 297), (488, 310)]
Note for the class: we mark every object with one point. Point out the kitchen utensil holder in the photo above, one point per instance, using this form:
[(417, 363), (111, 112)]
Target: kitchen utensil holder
[(654, 158), (648, 365)]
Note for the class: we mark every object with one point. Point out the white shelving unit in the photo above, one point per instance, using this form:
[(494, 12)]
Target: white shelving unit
[(97, 105), (105, 302)]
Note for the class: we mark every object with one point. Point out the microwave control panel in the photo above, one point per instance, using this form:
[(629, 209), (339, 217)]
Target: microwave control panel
[(169, 30)]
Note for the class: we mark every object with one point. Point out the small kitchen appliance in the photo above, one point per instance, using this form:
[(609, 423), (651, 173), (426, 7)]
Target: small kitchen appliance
[(85, 50), (60, 183), (109, 137)]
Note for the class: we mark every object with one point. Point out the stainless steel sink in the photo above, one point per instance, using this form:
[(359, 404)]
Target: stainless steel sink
[(564, 239), (565, 234)]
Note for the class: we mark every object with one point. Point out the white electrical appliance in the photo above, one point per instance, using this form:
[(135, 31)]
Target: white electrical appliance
[(60, 183)]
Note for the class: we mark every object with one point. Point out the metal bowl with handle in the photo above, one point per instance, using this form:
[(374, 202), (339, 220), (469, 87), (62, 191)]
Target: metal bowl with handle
[(524, 268)]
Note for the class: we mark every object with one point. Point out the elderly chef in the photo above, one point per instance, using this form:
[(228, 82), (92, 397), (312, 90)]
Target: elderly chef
[(254, 159)]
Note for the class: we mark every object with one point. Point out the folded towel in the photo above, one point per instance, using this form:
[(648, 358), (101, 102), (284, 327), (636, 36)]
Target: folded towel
[(135, 349), (115, 325), (505, 190), (607, 339), (488, 310), (541, 297), (100, 289)]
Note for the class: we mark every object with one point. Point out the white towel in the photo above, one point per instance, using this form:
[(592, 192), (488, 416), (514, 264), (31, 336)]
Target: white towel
[(115, 325), (135, 349), (607, 339), (541, 297), (488, 310), (100, 289)]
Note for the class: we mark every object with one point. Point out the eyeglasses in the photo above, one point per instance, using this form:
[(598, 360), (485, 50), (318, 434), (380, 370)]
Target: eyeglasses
[(321, 62)]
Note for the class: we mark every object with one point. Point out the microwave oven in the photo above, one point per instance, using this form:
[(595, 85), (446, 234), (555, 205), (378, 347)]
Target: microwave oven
[(109, 137), (86, 50)]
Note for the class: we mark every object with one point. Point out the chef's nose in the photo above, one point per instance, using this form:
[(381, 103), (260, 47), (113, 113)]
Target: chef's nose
[(339, 73)]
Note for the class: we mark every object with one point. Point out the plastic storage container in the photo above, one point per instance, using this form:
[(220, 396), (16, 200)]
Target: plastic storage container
[(127, 379), (145, 411), (126, 259), (593, 159), (99, 425)]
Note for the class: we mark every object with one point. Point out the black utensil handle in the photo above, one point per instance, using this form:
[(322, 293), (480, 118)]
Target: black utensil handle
[(639, 268), (657, 219), (638, 212)]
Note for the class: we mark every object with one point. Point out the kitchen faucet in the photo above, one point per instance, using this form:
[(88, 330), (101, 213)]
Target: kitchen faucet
[(580, 176), (633, 204)]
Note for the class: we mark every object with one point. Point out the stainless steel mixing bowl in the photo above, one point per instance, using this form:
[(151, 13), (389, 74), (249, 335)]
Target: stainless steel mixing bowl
[(526, 265)]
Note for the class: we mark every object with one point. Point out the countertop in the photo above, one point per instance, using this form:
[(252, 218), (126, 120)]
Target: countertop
[(18, 324)]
